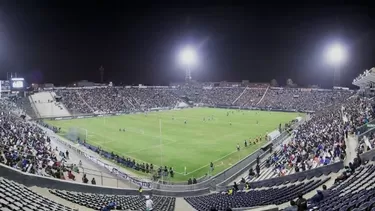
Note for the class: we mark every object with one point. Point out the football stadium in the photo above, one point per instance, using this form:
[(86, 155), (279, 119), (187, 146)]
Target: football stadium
[(146, 137), (188, 138)]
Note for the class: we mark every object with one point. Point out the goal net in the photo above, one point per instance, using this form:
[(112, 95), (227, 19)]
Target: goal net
[(75, 133)]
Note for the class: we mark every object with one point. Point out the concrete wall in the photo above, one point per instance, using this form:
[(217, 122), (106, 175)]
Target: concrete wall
[(368, 156)]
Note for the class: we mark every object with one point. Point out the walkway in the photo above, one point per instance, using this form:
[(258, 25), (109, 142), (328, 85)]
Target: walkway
[(351, 146)]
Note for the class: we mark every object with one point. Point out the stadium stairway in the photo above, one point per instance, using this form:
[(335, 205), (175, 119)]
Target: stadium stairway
[(46, 105), (265, 173), (351, 146), (28, 108), (263, 95), (84, 101), (33, 106), (239, 96)]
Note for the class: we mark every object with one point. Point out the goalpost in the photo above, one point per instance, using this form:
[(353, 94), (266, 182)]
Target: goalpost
[(75, 133), (83, 133)]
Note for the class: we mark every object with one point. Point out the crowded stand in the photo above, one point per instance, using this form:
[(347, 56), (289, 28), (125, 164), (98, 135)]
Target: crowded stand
[(107, 100), (251, 97), (363, 75), (25, 147), (122, 99), (219, 96), (73, 101), (301, 99), (318, 142)]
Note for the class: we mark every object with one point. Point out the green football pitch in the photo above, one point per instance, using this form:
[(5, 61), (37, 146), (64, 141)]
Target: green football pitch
[(209, 135)]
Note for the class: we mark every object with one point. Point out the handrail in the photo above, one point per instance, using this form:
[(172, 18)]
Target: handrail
[(53, 183)]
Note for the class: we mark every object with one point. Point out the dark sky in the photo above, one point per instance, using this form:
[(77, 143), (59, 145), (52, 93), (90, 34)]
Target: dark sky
[(65, 41)]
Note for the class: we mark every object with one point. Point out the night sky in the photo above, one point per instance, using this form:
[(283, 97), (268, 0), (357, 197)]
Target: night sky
[(65, 41)]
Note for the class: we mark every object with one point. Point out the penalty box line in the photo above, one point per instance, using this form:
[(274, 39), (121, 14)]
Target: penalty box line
[(216, 120), (227, 155), (171, 142), (101, 144)]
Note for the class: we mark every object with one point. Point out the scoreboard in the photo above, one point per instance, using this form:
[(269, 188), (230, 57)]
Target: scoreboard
[(17, 84)]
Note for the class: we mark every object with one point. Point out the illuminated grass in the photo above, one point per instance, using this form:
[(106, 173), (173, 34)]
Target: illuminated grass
[(192, 145)]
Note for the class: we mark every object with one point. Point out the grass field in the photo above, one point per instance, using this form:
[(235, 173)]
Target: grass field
[(192, 145)]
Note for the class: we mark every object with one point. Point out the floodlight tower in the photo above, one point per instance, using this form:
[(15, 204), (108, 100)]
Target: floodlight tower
[(101, 71), (188, 59), (336, 56)]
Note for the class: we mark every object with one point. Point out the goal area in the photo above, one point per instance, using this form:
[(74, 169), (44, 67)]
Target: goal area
[(76, 133)]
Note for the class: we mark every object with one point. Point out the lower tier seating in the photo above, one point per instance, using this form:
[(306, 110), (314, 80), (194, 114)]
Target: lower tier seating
[(354, 193), (122, 202), (14, 197), (257, 197)]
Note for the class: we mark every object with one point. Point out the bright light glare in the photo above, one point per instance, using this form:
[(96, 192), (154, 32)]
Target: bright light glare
[(336, 54), (188, 56)]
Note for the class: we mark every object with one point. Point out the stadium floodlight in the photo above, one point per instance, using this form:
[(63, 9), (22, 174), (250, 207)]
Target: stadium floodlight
[(336, 54), (188, 58)]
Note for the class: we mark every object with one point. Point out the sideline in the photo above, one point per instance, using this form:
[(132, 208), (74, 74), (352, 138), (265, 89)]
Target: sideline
[(172, 142)]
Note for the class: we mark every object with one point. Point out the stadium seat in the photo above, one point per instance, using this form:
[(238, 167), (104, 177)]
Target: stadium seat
[(15, 197), (123, 202)]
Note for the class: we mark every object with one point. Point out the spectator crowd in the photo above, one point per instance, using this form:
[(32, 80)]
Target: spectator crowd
[(26, 147), (130, 99), (319, 141)]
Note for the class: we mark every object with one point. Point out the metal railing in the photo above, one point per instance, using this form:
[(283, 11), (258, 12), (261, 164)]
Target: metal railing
[(101, 178)]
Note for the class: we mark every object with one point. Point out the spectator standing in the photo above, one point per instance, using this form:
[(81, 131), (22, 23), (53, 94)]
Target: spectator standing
[(293, 206), (140, 190), (149, 204), (301, 203), (84, 179)]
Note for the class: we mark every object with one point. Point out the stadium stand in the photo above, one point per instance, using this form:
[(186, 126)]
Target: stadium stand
[(251, 97), (47, 106), (24, 104), (299, 154), (122, 99), (14, 197), (257, 197), (302, 99), (353, 190), (320, 142), (121, 202)]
